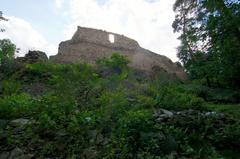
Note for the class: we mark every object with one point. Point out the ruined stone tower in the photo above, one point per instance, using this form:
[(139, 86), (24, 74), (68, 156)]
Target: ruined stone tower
[(88, 45)]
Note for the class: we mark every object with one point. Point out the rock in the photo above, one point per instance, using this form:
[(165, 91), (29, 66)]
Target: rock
[(99, 139), (127, 84), (163, 114), (61, 133), (19, 122), (35, 89), (106, 141), (140, 75), (3, 123), (178, 113), (131, 99), (88, 45), (210, 114), (108, 71), (166, 112), (160, 119), (4, 155), (170, 144), (16, 153), (89, 153), (33, 57), (96, 137)]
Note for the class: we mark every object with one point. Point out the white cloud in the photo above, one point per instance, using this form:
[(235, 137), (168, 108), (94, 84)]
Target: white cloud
[(147, 21), (21, 33), (59, 3)]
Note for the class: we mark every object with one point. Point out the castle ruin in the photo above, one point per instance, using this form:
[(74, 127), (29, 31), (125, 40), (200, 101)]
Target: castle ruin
[(88, 45)]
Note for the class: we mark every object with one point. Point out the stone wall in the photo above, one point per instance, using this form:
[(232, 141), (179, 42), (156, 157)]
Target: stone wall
[(88, 45), (101, 37)]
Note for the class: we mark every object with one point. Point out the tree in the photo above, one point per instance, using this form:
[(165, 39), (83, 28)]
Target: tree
[(191, 51), (210, 40), (224, 32), (7, 50), (2, 18)]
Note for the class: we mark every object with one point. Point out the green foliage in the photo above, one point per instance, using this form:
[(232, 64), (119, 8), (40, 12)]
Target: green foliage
[(116, 66), (16, 106), (7, 50), (83, 113), (134, 134), (116, 60), (228, 109), (210, 41), (10, 87), (173, 97), (217, 95)]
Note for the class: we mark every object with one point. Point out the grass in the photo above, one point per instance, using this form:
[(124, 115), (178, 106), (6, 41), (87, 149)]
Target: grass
[(232, 110)]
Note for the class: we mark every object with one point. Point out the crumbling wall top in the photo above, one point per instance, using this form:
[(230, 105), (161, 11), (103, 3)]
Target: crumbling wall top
[(105, 38)]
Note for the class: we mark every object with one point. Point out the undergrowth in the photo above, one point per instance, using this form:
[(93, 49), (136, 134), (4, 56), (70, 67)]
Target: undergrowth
[(106, 111)]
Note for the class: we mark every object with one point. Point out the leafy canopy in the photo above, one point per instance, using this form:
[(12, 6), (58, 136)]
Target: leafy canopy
[(210, 43), (7, 50)]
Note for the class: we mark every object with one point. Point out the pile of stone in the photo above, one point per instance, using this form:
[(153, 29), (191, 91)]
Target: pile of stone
[(33, 57), (17, 126), (163, 115), (16, 153)]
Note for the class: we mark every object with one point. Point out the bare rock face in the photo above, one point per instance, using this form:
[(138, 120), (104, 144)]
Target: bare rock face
[(88, 45)]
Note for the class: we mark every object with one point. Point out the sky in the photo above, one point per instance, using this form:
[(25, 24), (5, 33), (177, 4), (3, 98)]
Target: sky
[(43, 24)]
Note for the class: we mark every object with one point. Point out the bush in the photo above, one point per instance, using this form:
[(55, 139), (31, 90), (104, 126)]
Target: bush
[(10, 87), (171, 97), (7, 50), (9, 68), (128, 131), (116, 61), (115, 67), (111, 107), (16, 106), (57, 107), (198, 90), (217, 95), (224, 96), (137, 135)]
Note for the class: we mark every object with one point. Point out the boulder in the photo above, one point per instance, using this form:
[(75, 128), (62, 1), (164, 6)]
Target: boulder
[(89, 153), (33, 57), (16, 153), (163, 114), (19, 122)]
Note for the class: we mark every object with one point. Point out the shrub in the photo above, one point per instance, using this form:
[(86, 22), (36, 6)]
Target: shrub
[(196, 89), (7, 50), (171, 97), (9, 68), (112, 105), (116, 60), (10, 87), (128, 131), (57, 107), (16, 106), (224, 96), (218, 95), (115, 67), (144, 102)]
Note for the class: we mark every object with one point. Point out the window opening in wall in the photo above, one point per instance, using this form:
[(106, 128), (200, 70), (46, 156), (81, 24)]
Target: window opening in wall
[(111, 38)]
